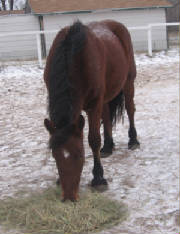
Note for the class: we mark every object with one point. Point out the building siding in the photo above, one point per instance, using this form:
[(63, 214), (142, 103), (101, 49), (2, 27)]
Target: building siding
[(131, 18), (24, 47), (18, 47)]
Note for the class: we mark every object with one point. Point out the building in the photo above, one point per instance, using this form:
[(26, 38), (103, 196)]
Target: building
[(19, 47), (173, 14), (55, 14)]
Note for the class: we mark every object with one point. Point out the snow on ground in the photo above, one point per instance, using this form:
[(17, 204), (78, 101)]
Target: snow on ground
[(145, 179)]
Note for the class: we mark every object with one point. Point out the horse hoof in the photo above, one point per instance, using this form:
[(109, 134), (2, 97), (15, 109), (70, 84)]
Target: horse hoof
[(98, 182), (133, 145), (105, 152)]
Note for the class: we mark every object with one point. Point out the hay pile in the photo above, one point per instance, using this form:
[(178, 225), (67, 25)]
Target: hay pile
[(45, 213)]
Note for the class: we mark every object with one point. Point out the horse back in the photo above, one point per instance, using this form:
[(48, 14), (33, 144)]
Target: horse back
[(117, 59), (111, 31)]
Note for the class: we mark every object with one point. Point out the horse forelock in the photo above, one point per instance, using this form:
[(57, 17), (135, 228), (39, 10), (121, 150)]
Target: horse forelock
[(60, 137), (61, 109)]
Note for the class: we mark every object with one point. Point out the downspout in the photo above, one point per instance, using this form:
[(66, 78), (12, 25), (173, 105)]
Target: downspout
[(43, 41), (167, 31)]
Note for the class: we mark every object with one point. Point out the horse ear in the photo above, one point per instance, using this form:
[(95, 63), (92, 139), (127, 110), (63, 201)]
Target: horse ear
[(81, 122), (49, 126)]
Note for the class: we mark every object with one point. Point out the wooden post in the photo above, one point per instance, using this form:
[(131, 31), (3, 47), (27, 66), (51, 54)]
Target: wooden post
[(150, 40), (38, 39)]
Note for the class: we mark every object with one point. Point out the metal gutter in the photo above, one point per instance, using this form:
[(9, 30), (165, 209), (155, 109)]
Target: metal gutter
[(141, 8), (100, 10), (64, 12)]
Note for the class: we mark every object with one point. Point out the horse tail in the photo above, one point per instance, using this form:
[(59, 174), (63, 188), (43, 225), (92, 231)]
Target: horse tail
[(117, 108), (61, 62)]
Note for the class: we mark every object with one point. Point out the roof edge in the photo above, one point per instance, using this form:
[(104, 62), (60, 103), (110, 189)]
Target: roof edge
[(62, 12), (100, 10), (141, 8)]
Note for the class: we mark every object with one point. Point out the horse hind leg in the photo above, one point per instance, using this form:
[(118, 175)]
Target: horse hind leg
[(108, 140), (130, 108)]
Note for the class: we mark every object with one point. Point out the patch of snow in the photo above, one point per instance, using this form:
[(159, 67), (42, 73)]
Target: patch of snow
[(147, 179), (164, 57), (102, 32)]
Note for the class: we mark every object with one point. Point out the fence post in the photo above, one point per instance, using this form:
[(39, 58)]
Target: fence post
[(38, 39), (150, 40)]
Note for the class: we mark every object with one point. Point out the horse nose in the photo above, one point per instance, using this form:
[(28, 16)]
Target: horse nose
[(73, 197)]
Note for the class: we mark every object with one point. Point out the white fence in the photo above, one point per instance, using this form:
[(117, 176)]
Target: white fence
[(149, 29), (149, 32)]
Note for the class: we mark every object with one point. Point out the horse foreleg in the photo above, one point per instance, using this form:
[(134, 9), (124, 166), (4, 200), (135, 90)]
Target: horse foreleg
[(130, 107), (94, 138), (108, 140)]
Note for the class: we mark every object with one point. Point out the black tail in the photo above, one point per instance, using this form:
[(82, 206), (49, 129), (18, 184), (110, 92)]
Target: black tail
[(117, 107), (60, 86)]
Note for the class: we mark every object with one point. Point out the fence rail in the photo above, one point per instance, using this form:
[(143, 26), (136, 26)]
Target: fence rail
[(149, 29)]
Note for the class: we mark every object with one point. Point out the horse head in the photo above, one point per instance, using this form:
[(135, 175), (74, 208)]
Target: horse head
[(67, 149)]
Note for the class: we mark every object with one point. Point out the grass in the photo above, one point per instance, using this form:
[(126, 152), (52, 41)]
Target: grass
[(44, 213)]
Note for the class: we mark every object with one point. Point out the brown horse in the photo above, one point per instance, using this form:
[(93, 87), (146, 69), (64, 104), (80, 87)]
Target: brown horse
[(91, 68)]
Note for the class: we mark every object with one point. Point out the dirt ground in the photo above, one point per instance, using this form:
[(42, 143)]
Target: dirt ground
[(147, 180)]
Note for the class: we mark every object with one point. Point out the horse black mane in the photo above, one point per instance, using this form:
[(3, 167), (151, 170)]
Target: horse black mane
[(60, 86)]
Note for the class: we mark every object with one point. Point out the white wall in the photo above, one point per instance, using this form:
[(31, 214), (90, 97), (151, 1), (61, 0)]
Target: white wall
[(18, 47), (24, 47), (130, 18)]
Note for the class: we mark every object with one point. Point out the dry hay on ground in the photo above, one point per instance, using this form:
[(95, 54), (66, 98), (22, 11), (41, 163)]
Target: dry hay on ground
[(45, 213)]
